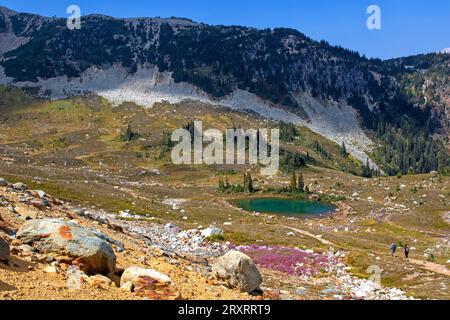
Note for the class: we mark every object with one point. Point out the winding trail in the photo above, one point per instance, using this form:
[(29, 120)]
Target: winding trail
[(446, 217), (308, 234), (430, 266)]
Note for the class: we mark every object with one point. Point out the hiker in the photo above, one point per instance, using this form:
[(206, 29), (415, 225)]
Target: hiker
[(406, 251), (393, 248)]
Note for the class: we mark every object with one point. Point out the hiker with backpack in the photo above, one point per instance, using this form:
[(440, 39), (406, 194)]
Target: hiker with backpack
[(406, 251), (393, 249)]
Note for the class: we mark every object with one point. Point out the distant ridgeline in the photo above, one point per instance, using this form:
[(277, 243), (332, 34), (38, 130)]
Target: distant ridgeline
[(410, 124)]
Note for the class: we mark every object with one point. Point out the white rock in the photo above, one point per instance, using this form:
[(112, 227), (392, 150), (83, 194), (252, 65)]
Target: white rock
[(127, 287), (132, 275), (41, 193), (50, 269), (211, 231)]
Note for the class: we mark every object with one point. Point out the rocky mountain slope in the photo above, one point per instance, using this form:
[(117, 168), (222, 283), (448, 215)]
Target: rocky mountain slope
[(280, 73), (426, 81)]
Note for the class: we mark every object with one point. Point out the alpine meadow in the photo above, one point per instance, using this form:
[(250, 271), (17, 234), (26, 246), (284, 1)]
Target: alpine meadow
[(169, 159)]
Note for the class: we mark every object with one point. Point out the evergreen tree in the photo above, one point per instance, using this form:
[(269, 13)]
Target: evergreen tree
[(129, 135), (248, 182), (221, 184), (301, 183), (344, 152), (288, 132), (293, 182), (227, 183)]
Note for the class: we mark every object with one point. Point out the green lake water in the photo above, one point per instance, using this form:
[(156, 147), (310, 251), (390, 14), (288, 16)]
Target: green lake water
[(286, 207)]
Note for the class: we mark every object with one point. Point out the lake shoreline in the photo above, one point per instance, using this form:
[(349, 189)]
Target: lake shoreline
[(289, 207)]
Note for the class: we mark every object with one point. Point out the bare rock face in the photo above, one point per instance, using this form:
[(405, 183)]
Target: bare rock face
[(4, 250), (82, 246), (238, 270)]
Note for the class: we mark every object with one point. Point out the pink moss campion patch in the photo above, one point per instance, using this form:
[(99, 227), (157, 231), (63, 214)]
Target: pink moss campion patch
[(291, 261)]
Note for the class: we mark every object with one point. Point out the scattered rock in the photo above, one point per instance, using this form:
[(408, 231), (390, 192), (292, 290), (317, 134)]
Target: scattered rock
[(127, 287), (301, 291), (63, 266), (238, 270), (99, 281), (80, 245), (211, 231), (155, 290), (22, 250), (38, 204), (170, 227), (79, 211), (132, 274), (4, 250), (170, 239), (19, 186), (3, 182), (50, 269), (41, 193)]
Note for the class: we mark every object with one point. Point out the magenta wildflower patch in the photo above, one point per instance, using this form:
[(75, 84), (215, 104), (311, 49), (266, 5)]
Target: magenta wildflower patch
[(292, 261)]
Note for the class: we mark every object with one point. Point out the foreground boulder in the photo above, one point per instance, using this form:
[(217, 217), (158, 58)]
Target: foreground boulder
[(238, 270), (148, 283), (82, 246), (136, 274), (4, 250)]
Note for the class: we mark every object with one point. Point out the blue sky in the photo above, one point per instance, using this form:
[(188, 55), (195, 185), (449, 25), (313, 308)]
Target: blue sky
[(408, 26)]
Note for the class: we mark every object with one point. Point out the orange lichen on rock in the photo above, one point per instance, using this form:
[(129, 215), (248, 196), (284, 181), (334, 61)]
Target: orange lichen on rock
[(65, 232)]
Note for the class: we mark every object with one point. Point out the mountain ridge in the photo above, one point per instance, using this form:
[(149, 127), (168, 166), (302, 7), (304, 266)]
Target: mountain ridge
[(281, 67)]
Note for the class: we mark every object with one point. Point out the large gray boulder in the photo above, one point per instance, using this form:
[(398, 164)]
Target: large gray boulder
[(238, 270), (4, 250), (83, 246)]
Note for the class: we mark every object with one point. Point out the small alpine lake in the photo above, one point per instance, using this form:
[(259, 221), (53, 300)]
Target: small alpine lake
[(289, 207)]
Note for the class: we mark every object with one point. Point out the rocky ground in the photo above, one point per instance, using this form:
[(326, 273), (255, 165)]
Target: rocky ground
[(52, 250), (31, 273)]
